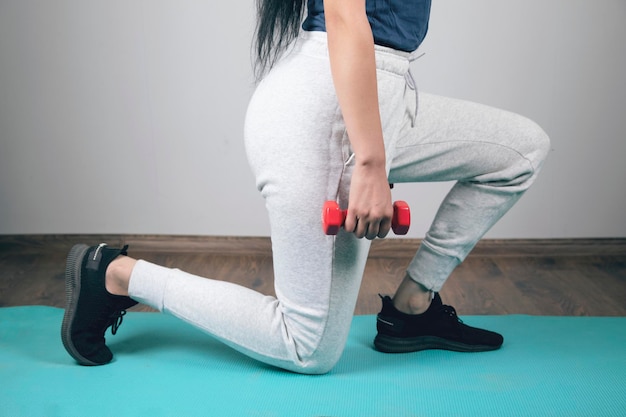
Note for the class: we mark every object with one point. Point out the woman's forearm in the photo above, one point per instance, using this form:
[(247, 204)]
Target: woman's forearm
[(353, 66)]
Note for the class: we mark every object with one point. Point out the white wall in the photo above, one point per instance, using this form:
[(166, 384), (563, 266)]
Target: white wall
[(126, 116)]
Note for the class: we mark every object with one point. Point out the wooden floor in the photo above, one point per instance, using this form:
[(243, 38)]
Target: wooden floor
[(540, 277)]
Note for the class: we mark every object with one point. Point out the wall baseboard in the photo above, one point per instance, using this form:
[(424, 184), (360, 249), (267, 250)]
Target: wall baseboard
[(261, 246)]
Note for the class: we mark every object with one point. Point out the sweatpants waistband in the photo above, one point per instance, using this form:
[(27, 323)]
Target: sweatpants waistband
[(387, 59)]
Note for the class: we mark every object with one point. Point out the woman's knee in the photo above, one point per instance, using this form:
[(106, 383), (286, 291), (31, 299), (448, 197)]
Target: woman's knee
[(536, 142), (540, 144), (316, 352), (319, 363)]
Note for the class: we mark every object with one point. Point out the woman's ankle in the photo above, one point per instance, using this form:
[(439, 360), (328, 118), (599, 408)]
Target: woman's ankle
[(412, 297), (117, 275)]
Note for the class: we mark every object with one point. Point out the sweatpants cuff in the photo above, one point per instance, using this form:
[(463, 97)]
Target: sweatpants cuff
[(431, 268), (147, 284)]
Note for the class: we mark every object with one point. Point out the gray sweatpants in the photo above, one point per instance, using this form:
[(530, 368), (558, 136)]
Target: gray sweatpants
[(301, 156)]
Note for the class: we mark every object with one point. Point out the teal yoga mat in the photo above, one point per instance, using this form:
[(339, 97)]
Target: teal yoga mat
[(549, 366)]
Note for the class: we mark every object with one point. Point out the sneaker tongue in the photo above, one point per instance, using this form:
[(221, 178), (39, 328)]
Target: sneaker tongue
[(436, 302)]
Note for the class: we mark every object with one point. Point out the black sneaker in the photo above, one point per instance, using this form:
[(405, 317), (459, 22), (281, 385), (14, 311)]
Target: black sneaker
[(90, 308), (437, 328)]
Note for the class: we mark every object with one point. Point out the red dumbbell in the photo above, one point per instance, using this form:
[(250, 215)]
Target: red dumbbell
[(333, 217)]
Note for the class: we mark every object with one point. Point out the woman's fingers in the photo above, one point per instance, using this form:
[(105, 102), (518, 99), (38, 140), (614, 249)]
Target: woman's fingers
[(369, 226)]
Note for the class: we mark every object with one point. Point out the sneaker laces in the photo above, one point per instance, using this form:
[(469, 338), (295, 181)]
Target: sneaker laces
[(115, 320), (451, 313)]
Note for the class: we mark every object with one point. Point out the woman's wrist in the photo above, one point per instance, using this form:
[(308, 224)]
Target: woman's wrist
[(369, 159)]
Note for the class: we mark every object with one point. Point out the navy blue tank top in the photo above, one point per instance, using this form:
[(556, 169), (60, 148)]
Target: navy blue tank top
[(398, 24)]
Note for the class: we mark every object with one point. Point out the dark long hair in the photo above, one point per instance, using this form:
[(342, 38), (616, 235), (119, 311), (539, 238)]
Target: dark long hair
[(278, 23)]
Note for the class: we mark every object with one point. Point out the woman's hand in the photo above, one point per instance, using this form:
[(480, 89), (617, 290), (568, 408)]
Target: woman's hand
[(353, 66), (369, 208)]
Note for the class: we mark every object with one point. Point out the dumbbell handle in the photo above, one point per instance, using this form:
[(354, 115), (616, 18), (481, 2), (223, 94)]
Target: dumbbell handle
[(333, 217)]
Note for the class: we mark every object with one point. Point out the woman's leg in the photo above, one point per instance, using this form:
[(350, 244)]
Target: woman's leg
[(494, 156), (301, 157), (297, 148)]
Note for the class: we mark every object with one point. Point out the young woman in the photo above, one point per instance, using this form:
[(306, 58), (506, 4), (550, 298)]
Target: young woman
[(335, 117)]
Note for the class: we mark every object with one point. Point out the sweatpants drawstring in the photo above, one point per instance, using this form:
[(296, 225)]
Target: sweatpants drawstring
[(410, 82)]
